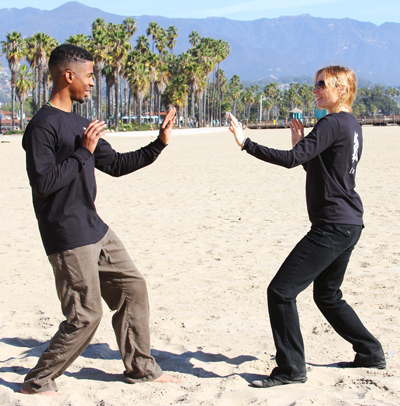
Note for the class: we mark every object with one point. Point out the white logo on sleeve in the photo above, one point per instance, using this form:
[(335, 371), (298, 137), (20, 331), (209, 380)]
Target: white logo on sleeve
[(355, 153)]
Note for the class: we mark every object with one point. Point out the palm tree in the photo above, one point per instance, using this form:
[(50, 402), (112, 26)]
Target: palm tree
[(98, 47), (119, 38), (152, 30), (172, 35), (271, 92), (43, 44), (163, 75), (31, 58), (248, 99), (110, 81), (223, 50), (176, 95), (142, 44), (194, 38), (51, 44), (268, 104), (139, 82), (23, 85), (161, 41), (130, 26), (151, 60), (235, 89), (15, 49), (196, 82), (80, 40)]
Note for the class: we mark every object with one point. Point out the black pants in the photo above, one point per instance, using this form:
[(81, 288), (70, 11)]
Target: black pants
[(320, 257)]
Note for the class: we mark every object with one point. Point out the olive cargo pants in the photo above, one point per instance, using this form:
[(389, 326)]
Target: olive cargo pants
[(83, 276)]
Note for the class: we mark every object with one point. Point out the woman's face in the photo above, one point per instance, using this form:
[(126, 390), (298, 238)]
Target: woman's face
[(326, 97)]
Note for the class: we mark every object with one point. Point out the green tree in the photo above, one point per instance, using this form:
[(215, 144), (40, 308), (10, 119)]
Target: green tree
[(139, 82), (119, 37), (80, 40), (42, 45), (163, 76), (24, 83), (161, 41), (194, 38), (172, 35), (235, 90), (99, 47), (15, 48), (152, 31), (175, 95), (248, 99)]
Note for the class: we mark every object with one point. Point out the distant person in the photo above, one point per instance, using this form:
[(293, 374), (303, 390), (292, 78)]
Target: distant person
[(89, 261), (329, 154)]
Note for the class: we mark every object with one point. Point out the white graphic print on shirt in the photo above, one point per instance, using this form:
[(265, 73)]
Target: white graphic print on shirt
[(355, 153)]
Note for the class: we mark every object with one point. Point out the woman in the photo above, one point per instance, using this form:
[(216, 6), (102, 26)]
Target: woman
[(329, 154)]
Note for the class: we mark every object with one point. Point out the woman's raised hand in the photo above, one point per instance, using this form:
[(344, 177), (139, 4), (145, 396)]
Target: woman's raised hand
[(297, 131), (236, 129)]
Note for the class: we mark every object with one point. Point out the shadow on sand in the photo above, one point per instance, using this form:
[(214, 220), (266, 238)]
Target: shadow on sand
[(168, 361)]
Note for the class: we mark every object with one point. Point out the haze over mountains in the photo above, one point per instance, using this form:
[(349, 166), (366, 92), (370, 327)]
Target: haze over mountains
[(261, 50)]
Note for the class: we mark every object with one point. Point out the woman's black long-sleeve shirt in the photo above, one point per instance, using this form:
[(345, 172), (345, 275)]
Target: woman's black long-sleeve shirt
[(329, 154), (62, 176)]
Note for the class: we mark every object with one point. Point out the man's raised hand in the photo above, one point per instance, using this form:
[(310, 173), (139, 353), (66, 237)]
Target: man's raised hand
[(166, 126), (92, 133)]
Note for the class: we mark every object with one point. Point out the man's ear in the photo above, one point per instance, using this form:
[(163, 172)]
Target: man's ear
[(69, 75)]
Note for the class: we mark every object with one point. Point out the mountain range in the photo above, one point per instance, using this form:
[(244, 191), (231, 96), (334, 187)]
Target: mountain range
[(262, 50)]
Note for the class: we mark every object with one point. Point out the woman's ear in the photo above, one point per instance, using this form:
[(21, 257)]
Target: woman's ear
[(342, 90)]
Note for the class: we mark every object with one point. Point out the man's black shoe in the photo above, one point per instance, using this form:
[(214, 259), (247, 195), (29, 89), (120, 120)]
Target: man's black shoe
[(270, 382)]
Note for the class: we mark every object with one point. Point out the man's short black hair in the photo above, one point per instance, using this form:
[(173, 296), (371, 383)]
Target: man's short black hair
[(68, 53)]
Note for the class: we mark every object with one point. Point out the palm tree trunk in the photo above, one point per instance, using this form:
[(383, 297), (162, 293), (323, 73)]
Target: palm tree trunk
[(158, 109), (34, 90), (21, 121), (140, 112), (186, 109), (213, 99), (40, 81), (205, 108), (121, 93), (129, 106), (192, 112), (116, 107), (13, 106), (98, 94), (108, 90)]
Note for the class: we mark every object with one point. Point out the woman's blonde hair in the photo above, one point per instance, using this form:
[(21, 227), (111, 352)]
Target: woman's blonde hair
[(340, 77)]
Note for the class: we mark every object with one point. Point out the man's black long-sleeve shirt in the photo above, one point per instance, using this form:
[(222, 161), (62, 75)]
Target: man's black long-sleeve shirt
[(62, 176), (329, 154)]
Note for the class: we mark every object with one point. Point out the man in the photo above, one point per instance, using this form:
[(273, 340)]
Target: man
[(88, 259)]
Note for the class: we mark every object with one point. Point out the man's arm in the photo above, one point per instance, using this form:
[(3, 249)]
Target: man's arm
[(118, 164)]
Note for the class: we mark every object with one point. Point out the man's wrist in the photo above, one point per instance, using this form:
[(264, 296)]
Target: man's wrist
[(243, 142)]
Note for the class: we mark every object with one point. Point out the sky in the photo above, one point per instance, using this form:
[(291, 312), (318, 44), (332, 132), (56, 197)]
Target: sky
[(374, 11)]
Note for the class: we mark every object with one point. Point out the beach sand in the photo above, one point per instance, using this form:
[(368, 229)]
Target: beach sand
[(208, 226)]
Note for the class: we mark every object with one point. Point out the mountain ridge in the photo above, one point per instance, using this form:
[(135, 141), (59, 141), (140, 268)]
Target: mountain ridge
[(262, 49)]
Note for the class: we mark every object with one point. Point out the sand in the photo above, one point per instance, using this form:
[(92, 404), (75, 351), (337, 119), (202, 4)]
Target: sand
[(208, 226)]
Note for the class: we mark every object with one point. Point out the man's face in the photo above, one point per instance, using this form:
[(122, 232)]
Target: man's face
[(82, 80)]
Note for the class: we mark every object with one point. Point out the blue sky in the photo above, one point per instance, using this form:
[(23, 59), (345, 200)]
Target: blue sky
[(374, 11)]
